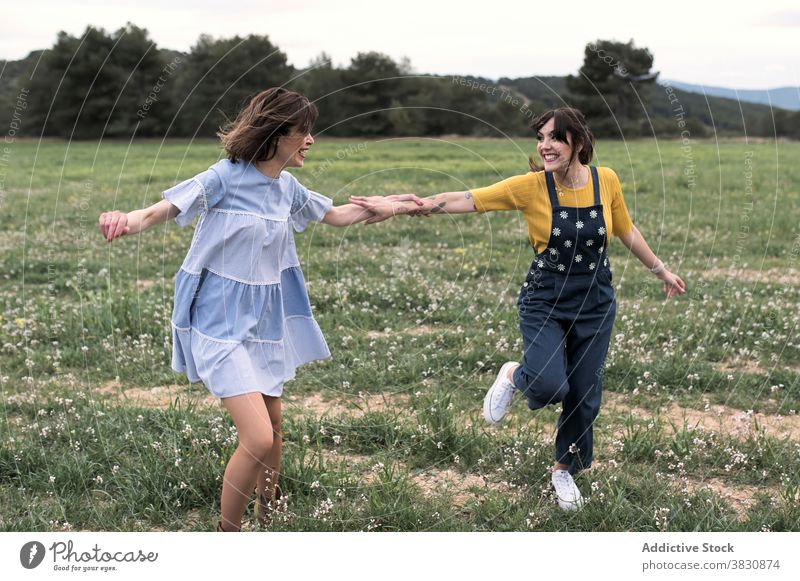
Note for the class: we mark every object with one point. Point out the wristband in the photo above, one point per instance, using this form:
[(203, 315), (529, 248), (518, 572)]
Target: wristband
[(658, 267)]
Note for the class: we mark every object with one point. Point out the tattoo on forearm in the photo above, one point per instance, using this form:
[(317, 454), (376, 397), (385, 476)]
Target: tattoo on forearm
[(438, 208), (468, 196)]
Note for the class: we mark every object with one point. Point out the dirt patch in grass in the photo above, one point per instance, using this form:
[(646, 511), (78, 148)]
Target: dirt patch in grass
[(783, 276), (192, 520), (163, 395), (421, 330), (740, 498), (356, 406), (739, 366), (159, 396), (727, 420), (413, 332), (144, 284), (369, 470), (459, 488)]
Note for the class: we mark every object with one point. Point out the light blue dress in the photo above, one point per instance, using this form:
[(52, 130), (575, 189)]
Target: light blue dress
[(241, 320)]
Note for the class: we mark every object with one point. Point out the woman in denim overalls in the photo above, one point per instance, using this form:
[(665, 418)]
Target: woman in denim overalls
[(566, 304)]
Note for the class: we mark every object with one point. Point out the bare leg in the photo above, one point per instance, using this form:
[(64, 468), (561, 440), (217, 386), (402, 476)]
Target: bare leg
[(254, 426), (510, 374), (268, 478)]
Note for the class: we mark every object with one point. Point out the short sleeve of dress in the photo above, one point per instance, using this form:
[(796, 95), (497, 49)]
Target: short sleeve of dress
[(195, 195), (308, 206)]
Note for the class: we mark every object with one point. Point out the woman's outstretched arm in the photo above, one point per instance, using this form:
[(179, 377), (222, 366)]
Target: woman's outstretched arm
[(115, 224), (444, 203), (348, 214), (673, 284)]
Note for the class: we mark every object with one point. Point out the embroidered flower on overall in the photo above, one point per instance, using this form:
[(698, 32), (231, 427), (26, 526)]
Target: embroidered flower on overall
[(591, 265), (561, 268), (556, 231), (563, 215), (579, 224), (567, 243), (601, 230), (590, 243), (578, 258), (593, 214)]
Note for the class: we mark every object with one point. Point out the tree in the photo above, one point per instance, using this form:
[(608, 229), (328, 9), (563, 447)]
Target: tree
[(221, 76), (607, 85), (370, 85), (321, 82), (96, 85)]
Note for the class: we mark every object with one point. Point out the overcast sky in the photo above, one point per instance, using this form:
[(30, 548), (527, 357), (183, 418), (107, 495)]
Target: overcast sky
[(747, 45)]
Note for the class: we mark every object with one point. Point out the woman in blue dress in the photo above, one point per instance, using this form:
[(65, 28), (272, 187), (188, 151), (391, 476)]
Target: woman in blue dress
[(242, 323)]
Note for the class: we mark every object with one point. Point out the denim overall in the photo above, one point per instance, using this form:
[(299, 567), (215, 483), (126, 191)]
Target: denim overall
[(566, 311)]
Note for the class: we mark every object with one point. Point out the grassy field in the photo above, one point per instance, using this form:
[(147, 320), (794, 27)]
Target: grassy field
[(698, 431)]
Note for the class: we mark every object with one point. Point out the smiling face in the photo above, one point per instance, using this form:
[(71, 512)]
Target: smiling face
[(555, 154), (292, 148)]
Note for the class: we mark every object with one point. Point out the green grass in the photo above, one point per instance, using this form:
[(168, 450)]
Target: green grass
[(418, 314)]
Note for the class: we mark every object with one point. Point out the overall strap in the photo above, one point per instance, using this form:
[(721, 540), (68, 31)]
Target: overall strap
[(551, 188), (595, 185)]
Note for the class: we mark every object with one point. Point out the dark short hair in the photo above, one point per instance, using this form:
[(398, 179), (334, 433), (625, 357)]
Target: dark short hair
[(567, 120), (253, 135)]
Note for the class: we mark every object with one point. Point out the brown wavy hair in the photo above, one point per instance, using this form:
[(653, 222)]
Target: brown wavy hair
[(567, 120), (272, 113)]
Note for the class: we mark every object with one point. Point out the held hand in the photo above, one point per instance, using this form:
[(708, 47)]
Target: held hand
[(384, 207), (404, 198), (381, 210), (408, 204), (394, 198), (114, 224), (673, 284)]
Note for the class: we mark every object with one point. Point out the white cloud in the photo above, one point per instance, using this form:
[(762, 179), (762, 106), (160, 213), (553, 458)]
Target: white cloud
[(789, 18)]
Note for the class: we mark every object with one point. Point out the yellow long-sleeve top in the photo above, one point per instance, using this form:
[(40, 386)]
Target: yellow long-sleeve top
[(528, 194)]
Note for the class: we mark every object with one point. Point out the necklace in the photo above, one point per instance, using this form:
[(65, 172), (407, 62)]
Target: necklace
[(559, 191)]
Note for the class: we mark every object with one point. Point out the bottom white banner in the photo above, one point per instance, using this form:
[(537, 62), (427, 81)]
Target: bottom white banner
[(331, 556)]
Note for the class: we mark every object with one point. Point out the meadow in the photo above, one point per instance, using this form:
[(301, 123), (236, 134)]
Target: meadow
[(699, 429)]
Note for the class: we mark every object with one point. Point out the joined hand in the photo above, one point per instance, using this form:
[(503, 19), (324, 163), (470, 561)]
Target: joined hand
[(385, 207)]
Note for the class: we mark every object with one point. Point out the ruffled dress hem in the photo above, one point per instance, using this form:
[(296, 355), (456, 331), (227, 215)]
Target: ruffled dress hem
[(248, 366)]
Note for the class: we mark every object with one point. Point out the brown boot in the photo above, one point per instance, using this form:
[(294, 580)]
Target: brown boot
[(221, 529)]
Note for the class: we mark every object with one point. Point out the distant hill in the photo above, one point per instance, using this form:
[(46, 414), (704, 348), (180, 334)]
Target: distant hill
[(783, 97), (721, 114), (549, 91)]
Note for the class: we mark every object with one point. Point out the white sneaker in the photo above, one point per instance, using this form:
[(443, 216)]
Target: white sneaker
[(498, 398), (568, 495)]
